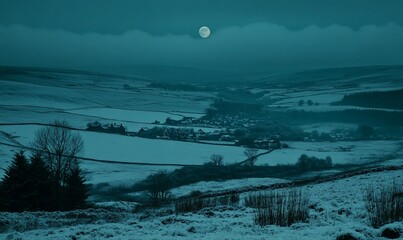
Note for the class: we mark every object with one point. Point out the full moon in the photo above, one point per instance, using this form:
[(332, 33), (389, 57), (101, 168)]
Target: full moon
[(204, 32)]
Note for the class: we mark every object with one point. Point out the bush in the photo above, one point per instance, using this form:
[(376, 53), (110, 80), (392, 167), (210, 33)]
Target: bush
[(347, 236), (197, 203), (391, 231), (189, 205), (158, 186), (27, 221), (384, 205), (108, 193), (307, 163), (246, 141), (279, 208)]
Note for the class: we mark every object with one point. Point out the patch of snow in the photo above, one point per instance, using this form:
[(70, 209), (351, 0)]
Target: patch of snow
[(224, 185)]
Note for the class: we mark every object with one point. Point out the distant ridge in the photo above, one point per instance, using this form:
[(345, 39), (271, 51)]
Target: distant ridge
[(149, 73), (359, 74), (16, 70)]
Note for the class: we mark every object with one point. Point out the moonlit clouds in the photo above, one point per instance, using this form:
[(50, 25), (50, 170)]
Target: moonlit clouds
[(265, 45)]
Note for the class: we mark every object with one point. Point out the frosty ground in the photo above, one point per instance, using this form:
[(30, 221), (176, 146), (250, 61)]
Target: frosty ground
[(337, 208)]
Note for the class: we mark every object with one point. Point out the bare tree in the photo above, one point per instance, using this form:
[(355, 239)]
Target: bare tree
[(59, 146), (217, 160), (158, 187), (251, 154)]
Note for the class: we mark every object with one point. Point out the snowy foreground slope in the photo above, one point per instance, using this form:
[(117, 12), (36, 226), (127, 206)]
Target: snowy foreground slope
[(337, 207)]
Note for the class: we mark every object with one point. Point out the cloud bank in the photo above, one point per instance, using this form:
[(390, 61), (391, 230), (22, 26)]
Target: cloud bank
[(261, 45)]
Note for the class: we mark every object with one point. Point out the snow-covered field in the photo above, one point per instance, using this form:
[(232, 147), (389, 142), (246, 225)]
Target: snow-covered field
[(76, 91), (323, 96), (80, 98), (115, 147), (70, 93), (112, 147), (133, 149), (337, 208), (356, 152)]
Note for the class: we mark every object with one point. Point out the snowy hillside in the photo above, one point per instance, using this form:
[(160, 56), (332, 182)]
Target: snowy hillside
[(337, 208)]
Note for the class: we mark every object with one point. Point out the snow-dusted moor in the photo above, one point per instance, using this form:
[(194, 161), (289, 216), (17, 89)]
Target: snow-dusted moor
[(201, 120)]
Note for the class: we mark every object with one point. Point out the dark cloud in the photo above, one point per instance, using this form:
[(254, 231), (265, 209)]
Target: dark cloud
[(263, 45), (160, 17), (258, 33)]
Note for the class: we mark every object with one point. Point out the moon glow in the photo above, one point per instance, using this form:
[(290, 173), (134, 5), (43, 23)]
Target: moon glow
[(204, 32)]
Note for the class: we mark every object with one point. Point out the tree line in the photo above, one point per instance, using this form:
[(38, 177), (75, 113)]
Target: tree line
[(375, 99), (51, 178)]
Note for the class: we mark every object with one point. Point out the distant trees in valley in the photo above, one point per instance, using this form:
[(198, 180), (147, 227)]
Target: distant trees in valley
[(365, 132), (356, 116), (375, 99), (180, 134), (251, 154), (217, 160), (307, 163), (309, 102), (178, 87), (228, 107)]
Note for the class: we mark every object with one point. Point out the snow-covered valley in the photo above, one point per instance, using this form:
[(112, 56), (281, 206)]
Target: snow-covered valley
[(30, 103)]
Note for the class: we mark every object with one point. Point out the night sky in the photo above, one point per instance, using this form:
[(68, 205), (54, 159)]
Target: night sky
[(255, 34)]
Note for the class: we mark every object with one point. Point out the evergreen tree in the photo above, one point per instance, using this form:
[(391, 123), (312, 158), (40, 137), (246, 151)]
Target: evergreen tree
[(14, 189), (30, 186), (41, 187), (75, 190)]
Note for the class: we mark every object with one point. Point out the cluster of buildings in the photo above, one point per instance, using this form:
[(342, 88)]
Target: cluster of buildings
[(189, 134), (107, 128), (170, 131)]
